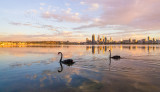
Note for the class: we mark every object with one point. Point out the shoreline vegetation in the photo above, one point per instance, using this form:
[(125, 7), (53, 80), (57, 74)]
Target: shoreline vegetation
[(53, 43)]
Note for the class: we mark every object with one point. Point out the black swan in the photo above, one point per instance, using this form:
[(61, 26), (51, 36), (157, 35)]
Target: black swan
[(114, 57), (68, 62)]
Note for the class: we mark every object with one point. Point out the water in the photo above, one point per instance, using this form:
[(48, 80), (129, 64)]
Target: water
[(35, 69)]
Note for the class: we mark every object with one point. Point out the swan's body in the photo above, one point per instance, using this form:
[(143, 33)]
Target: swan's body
[(67, 61), (114, 57)]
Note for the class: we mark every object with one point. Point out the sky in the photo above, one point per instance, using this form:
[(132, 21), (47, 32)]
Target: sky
[(76, 20)]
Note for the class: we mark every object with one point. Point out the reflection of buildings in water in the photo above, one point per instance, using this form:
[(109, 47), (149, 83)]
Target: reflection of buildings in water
[(145, 48), (101, 48), (105, 48), (121, 47), (154, 48), (149, 49), (88, 48), (134, 47), (98, 49), (65, 46), (130, 47), (93, 49), (110, 47), (126, 47)]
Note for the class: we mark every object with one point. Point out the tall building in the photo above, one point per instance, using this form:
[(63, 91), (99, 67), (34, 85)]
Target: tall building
[(110, 39), (154, 40), (105, 39), (134, 40), (149, 38), (158, 41), (93, 38), (144, 40), (87, 40), (98, 38), (101, 40), (130, 40), (93, 49)]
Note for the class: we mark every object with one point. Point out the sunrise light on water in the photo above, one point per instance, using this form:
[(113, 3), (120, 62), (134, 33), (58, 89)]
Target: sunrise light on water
[(79, 46)]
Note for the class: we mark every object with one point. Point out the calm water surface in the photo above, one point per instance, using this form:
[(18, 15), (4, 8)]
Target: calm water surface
[(35, 69)]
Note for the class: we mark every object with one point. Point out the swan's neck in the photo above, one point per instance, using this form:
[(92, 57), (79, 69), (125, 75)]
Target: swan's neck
[(61, 57)]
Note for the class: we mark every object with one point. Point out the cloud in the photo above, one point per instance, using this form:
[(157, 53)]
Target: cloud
[(40, 8), (91, 6), (48, 27), (42, 4), (65, 16), (94, 6), (31, 11), (82, 3), (140, 14), (15, 23), (67, 4)]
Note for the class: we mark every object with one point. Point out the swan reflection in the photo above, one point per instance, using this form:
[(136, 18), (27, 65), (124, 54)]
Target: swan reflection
[(61, 67)]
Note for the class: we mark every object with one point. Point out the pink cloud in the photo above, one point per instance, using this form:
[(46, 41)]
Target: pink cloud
[(135, 13)]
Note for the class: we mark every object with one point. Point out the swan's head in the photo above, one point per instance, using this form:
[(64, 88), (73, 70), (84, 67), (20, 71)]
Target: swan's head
[(59, 53)]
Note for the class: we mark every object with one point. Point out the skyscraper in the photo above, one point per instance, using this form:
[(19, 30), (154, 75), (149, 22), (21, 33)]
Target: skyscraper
[(105, 39), (101, 40), (130, 40), (154, 40), (98, 38), (93, 38), (149, 38), (87, 40), (110, 39)]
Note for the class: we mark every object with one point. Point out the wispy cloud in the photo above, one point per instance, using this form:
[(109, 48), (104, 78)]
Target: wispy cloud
[(32, 11), (48, 27)]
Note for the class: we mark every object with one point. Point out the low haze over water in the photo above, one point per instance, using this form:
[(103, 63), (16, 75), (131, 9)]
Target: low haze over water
[(35, 69)]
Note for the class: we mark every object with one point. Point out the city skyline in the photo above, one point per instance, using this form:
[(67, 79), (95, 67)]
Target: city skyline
[(106, 40), (76, 20)]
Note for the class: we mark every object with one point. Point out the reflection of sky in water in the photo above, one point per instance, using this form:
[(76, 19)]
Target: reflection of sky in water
[(36, 69)]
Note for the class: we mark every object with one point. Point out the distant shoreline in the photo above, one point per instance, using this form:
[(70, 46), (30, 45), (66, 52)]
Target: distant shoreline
[(58, 43)]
